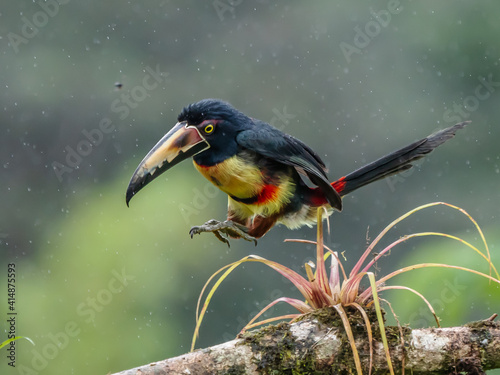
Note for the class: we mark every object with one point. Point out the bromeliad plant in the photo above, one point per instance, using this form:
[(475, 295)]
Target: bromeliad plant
[(339, 291)]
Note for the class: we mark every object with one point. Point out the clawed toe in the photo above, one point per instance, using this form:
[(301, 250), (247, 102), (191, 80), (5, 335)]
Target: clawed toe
[(228, 228)]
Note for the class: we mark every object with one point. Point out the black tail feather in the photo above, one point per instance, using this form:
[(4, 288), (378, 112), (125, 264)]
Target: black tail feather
[(397, 161)]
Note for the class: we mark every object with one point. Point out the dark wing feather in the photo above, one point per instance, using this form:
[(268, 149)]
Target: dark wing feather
[(272, 143)]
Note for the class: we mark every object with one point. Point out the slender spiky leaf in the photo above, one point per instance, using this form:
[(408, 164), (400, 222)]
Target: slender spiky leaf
[(368, 331), (320, 263), (373, 285), (381, 289), (350, 337), (299, 305)]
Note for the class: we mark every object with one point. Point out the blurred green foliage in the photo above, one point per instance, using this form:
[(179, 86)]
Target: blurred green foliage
[(72, 236), (456, 296)]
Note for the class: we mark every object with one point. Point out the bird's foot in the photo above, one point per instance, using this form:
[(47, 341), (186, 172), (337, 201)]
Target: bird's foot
[(228, 228)]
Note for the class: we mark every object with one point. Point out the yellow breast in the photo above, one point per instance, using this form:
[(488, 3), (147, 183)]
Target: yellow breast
[(234, 177), (240, 179)]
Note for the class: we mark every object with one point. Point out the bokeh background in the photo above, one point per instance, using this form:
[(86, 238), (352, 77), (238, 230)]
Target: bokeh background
[(101, 287)]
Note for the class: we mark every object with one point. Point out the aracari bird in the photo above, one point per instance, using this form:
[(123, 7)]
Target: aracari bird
[(263, 170)]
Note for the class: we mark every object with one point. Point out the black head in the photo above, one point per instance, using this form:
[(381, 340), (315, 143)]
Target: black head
[(210, 109), (218, 123), (205, 130)]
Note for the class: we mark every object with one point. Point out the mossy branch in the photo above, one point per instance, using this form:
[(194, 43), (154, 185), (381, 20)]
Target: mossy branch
[(308, 347)]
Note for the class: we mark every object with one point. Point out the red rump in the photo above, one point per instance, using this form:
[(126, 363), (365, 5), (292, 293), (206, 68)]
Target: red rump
[(317, 197), (339, 185)]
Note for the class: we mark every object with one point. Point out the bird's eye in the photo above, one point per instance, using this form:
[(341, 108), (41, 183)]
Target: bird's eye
[(209, 129)]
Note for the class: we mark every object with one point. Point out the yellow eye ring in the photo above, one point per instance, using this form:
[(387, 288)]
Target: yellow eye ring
[(209, 129)]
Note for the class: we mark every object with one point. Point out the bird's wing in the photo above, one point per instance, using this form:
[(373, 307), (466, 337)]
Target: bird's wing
[(272, 143)]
